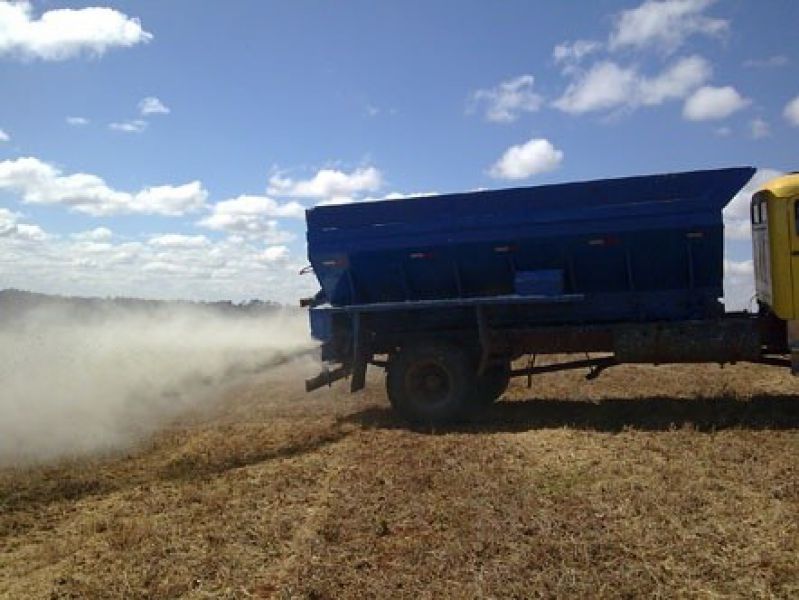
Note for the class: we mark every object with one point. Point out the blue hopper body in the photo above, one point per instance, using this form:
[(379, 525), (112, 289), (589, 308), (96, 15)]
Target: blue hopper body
[(629, 249)]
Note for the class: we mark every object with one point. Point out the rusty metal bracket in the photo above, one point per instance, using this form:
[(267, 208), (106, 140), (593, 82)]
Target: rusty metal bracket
[(596, 364), (326, 378)]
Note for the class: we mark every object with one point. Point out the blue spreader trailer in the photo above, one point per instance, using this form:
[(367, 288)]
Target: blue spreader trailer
[(446, 292)]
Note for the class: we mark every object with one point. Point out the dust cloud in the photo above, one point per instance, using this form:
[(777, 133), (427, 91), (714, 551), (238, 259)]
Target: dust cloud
[(73, 384)]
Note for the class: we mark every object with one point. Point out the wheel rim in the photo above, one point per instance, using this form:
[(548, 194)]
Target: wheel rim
[(428, 383)]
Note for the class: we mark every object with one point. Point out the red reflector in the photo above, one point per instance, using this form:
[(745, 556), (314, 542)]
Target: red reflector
[(608, 240), (335, 263)]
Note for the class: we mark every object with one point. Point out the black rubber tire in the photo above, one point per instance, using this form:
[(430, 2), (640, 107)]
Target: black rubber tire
[(431, 383), (489, 386)]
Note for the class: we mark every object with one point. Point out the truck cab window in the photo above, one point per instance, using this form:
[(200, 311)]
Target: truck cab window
[(796, 215)]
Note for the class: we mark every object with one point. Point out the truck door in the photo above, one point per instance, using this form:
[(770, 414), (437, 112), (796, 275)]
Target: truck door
[(761, 254), (793, 220)]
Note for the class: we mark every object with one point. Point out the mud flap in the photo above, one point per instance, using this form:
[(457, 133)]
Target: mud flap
[(792, 333), (360, 355), (358, 381)]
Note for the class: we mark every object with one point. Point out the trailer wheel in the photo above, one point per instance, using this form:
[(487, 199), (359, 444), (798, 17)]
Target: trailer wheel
[(430, 383), (490, 385)]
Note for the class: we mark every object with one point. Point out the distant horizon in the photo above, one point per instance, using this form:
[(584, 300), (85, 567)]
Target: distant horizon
[(243, 303)]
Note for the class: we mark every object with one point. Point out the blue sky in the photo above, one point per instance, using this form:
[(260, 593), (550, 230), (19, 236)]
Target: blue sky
[(167, 149)]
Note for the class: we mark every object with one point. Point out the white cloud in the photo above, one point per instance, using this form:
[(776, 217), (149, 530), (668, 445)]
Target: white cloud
[(759, 128), (327, 184), (737, 229), (134, 126), (252, 216), (569, 55), (4, 137), (164, 268), (337, 201), (41, 183), (723, 131), (32, 233), (152, 106), (778, 60), (608, 86), (170, 200), (98, 234), (88, 247), (373, 111), (229, 268), (736, 213), (77, 121), (531, 158), (178, 240), (275, 253), (574, 51), (11, 228), (664, 24), (506, 101), (739, 284), (8, 221), (65, 33), (791, 112), (403, 196), (739, 268), (676, 81), (709, 103), (389, 196)]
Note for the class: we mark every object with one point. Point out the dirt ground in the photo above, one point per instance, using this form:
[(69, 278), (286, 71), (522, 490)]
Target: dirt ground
[(649, 481)]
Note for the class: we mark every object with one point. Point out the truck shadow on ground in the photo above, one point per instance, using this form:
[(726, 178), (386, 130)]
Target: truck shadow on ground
[(707, 414)]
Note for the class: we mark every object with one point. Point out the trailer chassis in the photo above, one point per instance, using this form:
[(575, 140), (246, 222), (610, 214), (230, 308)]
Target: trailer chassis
[(359, 337)]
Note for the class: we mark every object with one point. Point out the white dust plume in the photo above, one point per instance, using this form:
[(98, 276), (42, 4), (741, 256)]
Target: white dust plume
[(73, 384)]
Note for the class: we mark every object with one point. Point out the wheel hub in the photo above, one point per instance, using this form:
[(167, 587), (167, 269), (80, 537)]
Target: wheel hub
[(433, 383), (429, 383)]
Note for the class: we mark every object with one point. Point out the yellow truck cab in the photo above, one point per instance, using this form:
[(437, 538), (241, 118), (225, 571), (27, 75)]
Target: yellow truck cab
[(775, 250)]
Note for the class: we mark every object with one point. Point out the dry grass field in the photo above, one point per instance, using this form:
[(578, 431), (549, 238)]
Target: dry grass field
[(648, 482)]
